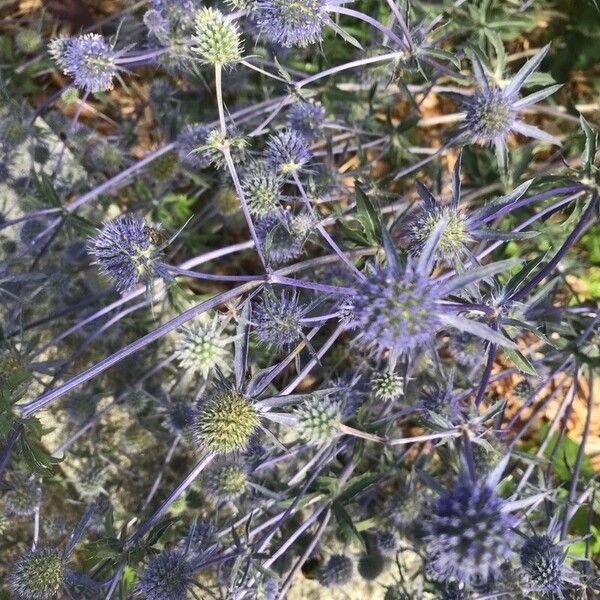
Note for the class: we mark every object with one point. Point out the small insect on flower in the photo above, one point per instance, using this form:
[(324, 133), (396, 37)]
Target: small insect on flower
[(88, 59), (542, 562), (126, 252), (493, 112), (318, 419), (307, 118), (168, 576), (217, 38), (287, 152), (225, 422), (291, 22), (337, 571), (202, 347), (38, 575)]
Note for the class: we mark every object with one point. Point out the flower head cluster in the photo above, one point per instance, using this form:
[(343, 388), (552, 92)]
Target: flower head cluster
[(218, 39), (291, 22), (287, 152), (306, 118), (88, 59), (225, 422), (38, 575), (203, 347), (126, 251), (469, 534)]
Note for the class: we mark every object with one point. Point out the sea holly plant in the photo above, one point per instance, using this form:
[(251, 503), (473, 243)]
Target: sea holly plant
[(299, 298)]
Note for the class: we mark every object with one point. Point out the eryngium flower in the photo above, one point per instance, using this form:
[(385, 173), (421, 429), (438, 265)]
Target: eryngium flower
[(24, 497), (28, 41), (179, 415), (126, 252), (307, 119), (387, 543), (395, 312), (203, 347), (191, 138), (287, 152), (467, 349), (225, 422), (493, 112), (337, 571), (318, 419), (38, 575), (279, 240), (262, 189), (166, 577), (387, 385), (278, 320), (226, 483), (217, 142), (90, 61), (291, 22), (469, 534), (542, 562), (218, 40)]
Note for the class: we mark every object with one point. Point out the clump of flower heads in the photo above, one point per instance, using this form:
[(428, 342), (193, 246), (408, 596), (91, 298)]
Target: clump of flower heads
[(225, 422), (38, 575)]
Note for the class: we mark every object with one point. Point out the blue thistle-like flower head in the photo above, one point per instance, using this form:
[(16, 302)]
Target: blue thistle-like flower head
[(90, 61), (226, 482), (542, 562), (287, 152), (262, 189), (278, 321), (191, 138), (469, 533), (166, 577), (126, 251), (493, 112), (23, 498), (395, 312), (291, 22), (280, 242), (337, 571), (38, 575), (307, 118)]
